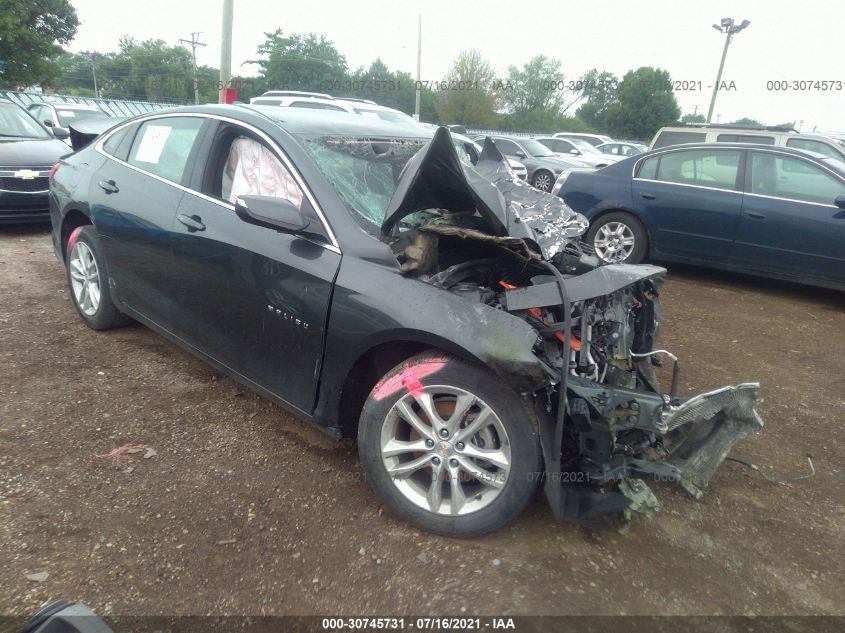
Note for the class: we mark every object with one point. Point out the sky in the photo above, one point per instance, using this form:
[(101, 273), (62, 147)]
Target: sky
[(785, 42)]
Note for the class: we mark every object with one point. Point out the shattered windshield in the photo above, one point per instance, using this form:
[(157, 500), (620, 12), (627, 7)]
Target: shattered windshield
[(364, 171)]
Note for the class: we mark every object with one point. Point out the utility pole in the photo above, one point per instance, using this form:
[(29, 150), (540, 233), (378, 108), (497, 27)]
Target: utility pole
[(94, 70), (226, 47), (194, 42), (419, 66), (729, 28)]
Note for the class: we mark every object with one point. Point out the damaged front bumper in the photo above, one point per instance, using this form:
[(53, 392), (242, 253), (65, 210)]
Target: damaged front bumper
[(685, 441)]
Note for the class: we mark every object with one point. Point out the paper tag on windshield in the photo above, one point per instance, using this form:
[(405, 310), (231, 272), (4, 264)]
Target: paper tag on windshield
[(68, 113), (155, 136)]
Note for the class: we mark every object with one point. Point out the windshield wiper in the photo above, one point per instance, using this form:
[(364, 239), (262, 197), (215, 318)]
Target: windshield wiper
[(19, 136)]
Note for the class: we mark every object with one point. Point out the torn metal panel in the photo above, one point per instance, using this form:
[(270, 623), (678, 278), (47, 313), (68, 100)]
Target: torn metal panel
[(551, 220), (702, 431), (435, 180), (84, 131)]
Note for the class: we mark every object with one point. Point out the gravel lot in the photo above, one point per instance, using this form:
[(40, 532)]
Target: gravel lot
[(247, 510)]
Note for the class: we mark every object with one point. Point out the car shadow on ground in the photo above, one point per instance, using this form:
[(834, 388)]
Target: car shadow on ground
[(741, 282), (30, 229)]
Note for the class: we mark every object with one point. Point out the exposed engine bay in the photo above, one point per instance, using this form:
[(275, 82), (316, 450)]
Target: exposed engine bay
[(606, 426)]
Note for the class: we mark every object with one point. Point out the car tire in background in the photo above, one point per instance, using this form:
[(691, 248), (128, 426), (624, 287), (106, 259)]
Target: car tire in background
[(543, 180), (449, 447), (87, 277), (619, 238)]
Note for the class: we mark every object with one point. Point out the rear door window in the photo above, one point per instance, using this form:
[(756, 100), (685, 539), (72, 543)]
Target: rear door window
[(793, 178), (745, 138), (162, 146)]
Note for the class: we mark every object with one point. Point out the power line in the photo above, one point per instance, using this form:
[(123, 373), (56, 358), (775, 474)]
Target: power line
[(194, 42)]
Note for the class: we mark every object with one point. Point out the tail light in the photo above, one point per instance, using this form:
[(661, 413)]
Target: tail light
[(53, 171)]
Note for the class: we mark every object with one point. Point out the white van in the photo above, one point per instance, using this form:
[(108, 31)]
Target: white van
[(762, 135)]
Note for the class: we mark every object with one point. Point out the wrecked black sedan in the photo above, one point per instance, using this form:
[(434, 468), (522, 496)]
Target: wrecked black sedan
[(359, 274)]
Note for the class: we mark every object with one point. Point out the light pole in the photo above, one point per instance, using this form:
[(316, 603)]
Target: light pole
[(729, 28), (419, 66), (226, 48)]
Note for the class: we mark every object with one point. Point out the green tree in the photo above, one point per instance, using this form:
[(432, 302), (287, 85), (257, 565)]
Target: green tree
[(693, 118), (300, 62), (468, 97), (31, 35), (747, 121), (598, 91), (392, 89), (542, 122), (644, 103), (538, 85), (75, 74)]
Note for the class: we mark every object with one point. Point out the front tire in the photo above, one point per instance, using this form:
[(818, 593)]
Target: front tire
[(543, 180), (449, 447), (619, 238), (87, 278)]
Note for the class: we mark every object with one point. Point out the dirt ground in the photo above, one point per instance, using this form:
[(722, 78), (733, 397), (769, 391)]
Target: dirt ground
[(247, 510)]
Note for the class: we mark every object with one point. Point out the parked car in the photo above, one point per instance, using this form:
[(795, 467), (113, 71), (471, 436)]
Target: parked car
[(580, 150), (777, 136), (621, 148), (291, 99), (319, 101), (58, 116), (377, 286), (592, 139), (759, 209), (27, 154), (469, 152), (543, 165)]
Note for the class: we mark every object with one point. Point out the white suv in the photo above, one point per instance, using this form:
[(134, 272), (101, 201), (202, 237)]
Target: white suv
[(320, 101), (777, 136)]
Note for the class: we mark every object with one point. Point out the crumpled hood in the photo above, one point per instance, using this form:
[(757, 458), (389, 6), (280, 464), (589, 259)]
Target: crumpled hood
[(86, 130), (435, 178)]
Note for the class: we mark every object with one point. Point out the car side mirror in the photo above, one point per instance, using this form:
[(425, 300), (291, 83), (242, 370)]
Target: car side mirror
[(271, 212), (59, 133), (840, 201), (519, 154), (574, 152)]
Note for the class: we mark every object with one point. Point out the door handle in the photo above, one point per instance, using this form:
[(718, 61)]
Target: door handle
[(756, 215), (193, 222), (108, 186), (648, 196)]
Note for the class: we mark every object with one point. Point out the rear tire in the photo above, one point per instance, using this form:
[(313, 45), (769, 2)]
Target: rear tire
[(471, 471), (619, 238), (87, 277)]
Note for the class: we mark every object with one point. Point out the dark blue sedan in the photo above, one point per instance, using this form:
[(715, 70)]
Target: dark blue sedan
[(759, 209)]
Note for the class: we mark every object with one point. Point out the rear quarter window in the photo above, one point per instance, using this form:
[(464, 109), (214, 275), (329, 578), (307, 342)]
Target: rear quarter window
[(648, 168)]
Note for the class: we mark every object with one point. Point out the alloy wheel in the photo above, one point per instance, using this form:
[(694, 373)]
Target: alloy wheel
[(445, 450), (84, 278), (543, 182), (614, 242)]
